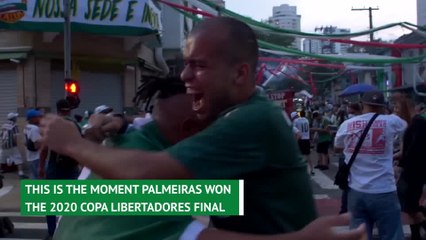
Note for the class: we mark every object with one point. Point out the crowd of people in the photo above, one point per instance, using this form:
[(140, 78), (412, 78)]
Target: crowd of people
[(212, 123), (387, 174)]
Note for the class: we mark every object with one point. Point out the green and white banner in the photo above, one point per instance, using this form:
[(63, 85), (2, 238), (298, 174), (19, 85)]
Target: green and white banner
[(109, 17), (132, 197)]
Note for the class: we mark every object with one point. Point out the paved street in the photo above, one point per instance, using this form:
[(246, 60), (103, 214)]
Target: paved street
[(327, 197), (25, 227)]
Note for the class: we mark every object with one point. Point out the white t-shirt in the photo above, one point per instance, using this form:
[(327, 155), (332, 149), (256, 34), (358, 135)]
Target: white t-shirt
[(141, 121), (84, 174), (32, 132), (372, 170), (296, 131), (303, 125)]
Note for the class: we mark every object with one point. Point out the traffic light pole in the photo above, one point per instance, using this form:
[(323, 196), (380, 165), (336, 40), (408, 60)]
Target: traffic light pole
[(67, 40), (71, 86)]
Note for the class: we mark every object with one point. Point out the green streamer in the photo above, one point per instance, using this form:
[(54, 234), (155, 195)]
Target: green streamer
[(299, 53), (226, 12), (342, 59), (329, 79)]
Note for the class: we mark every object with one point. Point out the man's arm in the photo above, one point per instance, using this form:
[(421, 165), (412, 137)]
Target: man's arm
[(42, 164), (109, 162), (63, 137), (297, 133), (398, 124), (339, 139)]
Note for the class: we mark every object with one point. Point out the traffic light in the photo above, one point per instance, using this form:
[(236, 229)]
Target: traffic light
[(72, 89)]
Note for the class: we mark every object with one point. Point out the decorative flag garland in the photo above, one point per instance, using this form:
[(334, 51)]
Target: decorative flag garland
[(187, 9), (299, 53), (214, 10), (380, 44), (226, 12)]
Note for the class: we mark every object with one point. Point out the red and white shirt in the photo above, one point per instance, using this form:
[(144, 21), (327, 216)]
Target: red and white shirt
[(372, 170)]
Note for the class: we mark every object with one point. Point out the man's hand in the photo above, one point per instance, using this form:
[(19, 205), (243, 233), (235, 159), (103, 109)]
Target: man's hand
[(322, 228), (58, 134), (109, 124), (41, 173), (102, 126), (397, 172), (114, 124)]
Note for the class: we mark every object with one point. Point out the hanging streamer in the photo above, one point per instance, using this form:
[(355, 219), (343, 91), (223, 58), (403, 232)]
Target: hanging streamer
[(343, 59), (295, 61), (274, 29), (187, 9), (203, 7), (260, 74), (379, 44), (299, 53)]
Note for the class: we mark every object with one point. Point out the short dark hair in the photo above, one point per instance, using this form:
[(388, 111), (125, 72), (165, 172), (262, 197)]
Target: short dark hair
[(302, 113), (78, 117), (241, 41), (355, 106), (164, 87), (62, 105)]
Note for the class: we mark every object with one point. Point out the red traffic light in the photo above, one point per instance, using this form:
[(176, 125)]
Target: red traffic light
[(71, 87)]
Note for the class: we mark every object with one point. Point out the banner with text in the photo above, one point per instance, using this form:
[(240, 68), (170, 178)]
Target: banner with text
[(132, 197), (109, 17), (283, 99)]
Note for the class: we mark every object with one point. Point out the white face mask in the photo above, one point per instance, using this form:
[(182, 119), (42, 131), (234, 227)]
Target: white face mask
[(351, 115)]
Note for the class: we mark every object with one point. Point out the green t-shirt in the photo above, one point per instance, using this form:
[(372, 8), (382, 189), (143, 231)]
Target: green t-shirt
[(323, 136), (254, 142), (126, 227)]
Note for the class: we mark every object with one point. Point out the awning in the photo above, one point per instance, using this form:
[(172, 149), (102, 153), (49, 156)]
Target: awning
[(10, 55)]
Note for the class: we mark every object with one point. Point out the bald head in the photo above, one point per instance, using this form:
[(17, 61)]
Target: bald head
[(237, 42)]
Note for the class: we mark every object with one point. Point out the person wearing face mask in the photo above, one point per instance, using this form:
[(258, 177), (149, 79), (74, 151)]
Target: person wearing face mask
[(354, 109)]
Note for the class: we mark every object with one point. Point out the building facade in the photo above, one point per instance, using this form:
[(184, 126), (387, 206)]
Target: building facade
[(108, 68), (286, 17), (312, 46), (421, 12), (316, 46)]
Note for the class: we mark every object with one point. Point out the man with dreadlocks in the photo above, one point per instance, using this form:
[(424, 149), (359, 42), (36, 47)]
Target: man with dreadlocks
[(248, 138), (170, 101)]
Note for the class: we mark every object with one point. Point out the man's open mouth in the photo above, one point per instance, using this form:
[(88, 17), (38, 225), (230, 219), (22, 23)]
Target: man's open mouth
[(198, 102)]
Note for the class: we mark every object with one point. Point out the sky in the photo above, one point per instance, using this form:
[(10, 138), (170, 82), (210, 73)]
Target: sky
[(317, 13)]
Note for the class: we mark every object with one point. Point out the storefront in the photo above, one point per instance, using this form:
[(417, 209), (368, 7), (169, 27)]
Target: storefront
[(105, 50), (8, 89)]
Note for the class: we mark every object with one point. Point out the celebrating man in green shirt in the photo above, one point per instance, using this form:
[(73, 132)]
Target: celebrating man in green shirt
[(172, 123), (249, 138)]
